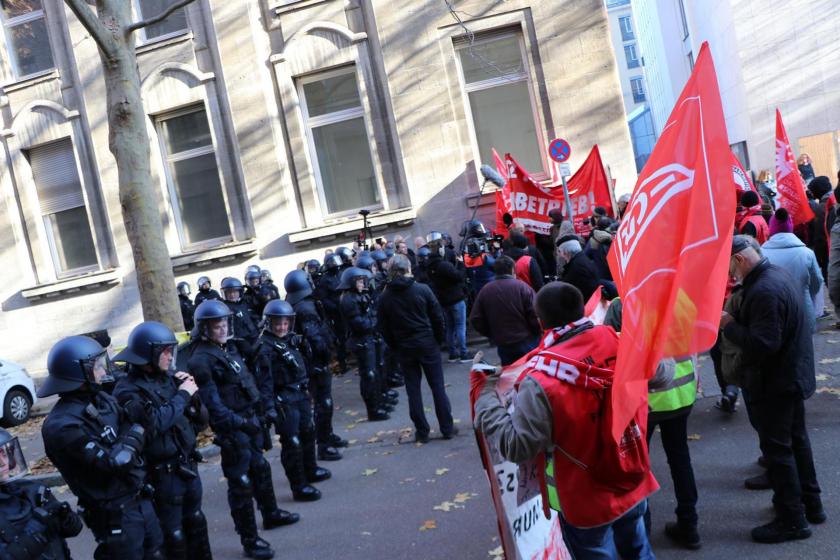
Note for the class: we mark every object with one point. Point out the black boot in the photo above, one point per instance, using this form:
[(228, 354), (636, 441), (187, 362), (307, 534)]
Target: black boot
[(337, 441), (684, 535), (318, 474), (377, 415), (328, 453), (198, 542), (396, 381), (306, 493), (278, 518), (779, 530), (759, 482), (257, 548), (814, 512), (392, 394)]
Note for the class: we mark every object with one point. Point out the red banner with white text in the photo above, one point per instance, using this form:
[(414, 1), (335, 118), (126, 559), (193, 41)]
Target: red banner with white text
[(789, 183)]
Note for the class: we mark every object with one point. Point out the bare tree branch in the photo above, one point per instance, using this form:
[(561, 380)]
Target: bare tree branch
[(158, 18), (91, 23)]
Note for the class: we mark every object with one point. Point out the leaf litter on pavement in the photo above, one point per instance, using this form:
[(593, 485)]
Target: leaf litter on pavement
[(369, 472), (428, 525)]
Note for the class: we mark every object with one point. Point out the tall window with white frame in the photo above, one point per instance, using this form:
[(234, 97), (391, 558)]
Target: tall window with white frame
[(631, 56), (626, 25), (500, 98), (338, 142), (638, 87), (27, 40), (63, 208), (193, 178), (175, 23)]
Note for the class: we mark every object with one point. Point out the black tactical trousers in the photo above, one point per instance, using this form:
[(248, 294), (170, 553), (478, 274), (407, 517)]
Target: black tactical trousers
[(178, 506), (321, 387), (131, 532), (369, 386), (297, 436)]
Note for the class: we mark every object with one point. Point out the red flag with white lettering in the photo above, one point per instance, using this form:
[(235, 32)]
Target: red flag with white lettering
[(502, 196), (588, 188), (743, 183), (789, 183), (529, 203), (670, 257)]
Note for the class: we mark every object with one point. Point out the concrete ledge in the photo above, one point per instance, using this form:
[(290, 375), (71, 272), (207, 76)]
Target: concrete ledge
[(206, 257), (55, 478), (89, 281), (350, 227)]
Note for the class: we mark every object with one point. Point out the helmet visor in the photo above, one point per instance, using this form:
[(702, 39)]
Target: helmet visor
[(12, 462), (164, 356), (96, 367), (218, 330)]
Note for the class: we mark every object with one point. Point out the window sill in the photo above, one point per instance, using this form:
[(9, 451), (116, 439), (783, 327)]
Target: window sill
[(69, 286), (206, 257), (31, 80), (165, 41), (377, 221), (284, 6)]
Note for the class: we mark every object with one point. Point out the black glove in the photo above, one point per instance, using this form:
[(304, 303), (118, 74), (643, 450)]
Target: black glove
[(270, 417), (71, 522), (251, 426)]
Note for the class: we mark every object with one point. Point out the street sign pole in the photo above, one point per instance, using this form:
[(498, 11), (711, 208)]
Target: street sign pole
[(568, 202), (559, 150)]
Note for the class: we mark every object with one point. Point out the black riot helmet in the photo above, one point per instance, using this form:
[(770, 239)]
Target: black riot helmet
[(71, 363), (349, 276), (332, 262), (12, 462), (206, 314), (230, 284), (423, 254), (252, 277), (146, 342), (313, 266), (202, 282), (265, 275), (345, 254), (379, 256), (274, 310), (297, 286), (366, 262), (473, 228), (183, 288), (252, 268)]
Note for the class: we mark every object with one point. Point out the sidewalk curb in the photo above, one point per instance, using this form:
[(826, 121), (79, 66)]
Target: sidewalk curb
[(55, 478)]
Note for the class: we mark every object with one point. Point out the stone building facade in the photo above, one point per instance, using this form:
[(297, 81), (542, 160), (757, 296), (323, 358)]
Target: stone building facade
[(272, 122)]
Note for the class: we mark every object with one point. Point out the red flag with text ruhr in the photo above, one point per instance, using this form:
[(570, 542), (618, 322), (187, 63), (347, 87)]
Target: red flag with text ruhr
[(670, 258), (789, 183)]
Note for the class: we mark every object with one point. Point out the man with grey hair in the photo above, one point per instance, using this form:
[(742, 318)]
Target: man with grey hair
[(411, 321), (771, 330), (578, 270)]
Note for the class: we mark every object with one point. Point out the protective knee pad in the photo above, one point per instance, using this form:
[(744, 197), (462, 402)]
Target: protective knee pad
[(175, 543), (195, 521), (327, 403), (262, 470), (241, 487)]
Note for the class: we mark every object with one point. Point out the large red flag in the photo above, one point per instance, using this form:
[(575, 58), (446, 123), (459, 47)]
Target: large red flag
[(743, 183), (502, 196), (589, 188), (789, 182), (671, 255)]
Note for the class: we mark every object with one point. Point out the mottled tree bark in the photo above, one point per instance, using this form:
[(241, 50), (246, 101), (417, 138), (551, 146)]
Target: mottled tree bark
[(112, 28)]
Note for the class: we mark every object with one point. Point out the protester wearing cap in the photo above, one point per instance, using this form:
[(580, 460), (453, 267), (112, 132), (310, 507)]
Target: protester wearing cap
[(770, 329), (749, 220), (578, 270)]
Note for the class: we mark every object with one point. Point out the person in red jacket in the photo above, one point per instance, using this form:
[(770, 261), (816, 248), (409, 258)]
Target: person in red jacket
[(558, 395), (750, 221)]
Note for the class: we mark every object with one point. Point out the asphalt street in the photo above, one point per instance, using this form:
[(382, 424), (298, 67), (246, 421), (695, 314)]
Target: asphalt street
[(391, 498)]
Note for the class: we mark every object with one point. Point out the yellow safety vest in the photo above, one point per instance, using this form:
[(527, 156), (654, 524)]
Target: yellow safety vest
[(680, 392)]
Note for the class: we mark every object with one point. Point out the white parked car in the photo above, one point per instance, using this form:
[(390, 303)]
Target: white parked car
[(17, 393)]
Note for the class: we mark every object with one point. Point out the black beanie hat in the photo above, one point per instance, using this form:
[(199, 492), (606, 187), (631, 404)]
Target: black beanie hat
[(749, 199), (820, 186)]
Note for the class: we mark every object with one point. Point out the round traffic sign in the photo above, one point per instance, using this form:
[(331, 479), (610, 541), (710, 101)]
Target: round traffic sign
[(559, 150)]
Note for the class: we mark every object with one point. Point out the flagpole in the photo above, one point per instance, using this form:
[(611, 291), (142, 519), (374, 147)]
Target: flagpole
[(568, 202)]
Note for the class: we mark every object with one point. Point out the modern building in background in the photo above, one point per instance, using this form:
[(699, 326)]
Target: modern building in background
[(630, 64), (272, 123), (764, 60)]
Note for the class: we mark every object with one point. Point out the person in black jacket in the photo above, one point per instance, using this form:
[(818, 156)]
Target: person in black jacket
[(282, 356), (93, 444), (578, 270), (359, 316), (164, 405), (447, 281), (517, 248), (771, 330), (33, 524), (240, 406), (251, 294), (411, 321), (205, 292), (187, 306), (244, 325), (327, 292), (312, 324)]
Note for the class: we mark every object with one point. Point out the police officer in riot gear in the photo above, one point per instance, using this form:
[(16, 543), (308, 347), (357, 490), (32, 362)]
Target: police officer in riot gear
[(360, 317), (422, 273), (244, 324), (33, 524), (239, 405), (268, 290), (90, 440), (251, 294), (164, 404), (327, 292), (282, 356), (313, 267), (312, 324), (205, 292), (187, 306), (391, 366), (346, 256)]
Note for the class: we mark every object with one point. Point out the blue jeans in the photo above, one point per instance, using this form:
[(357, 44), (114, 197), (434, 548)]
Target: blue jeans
[(623, 538), (509, 353), (456, 329)]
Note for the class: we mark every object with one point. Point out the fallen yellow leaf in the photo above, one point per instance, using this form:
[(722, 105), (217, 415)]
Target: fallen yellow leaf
[(369, 472), (428, 524), (373, 439), (830, 361), (446, 506), (693, 437), (441, 471), (352, 441), (829, 390), (822, 377)]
